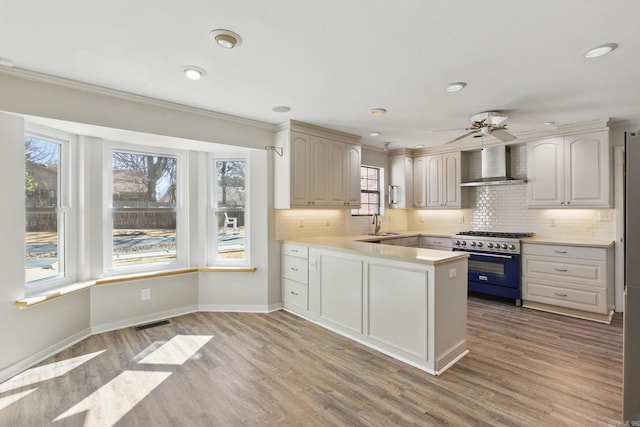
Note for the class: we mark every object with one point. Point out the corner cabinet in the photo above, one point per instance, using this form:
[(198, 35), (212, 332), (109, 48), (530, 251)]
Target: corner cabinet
[(569, 172), (319, 168), (572, 280)]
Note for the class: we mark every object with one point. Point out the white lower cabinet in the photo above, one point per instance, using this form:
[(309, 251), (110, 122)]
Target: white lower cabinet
[(413, 241), (573, 280), (436, 242), (295, 278), (412, 311)]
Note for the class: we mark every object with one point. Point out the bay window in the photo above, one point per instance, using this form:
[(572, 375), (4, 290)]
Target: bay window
[(144, 210), (228, 208)]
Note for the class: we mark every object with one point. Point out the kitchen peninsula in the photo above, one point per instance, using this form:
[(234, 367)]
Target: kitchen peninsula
[(409, 303)]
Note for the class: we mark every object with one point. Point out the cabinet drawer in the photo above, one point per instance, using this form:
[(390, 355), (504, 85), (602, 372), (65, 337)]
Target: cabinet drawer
[(587, 272), (560, 251), (443, 243), (295, 295), (295, 268), (593, 300), (299, 251)]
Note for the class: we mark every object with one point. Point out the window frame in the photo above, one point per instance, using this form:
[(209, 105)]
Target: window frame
[(65, 209), (182, 230), (380, 192), (212, 210)]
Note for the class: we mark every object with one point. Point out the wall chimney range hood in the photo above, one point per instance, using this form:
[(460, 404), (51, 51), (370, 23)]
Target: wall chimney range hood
[(496, 168)]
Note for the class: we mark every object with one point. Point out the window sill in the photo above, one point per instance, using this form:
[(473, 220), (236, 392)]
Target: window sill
[(66, 290)]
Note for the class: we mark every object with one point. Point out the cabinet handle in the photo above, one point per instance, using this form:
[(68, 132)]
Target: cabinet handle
[(561, 252), (294, 269), (294, 293), (560, 269), (294, 251), (562, 203), (437, 242), (560, 295)]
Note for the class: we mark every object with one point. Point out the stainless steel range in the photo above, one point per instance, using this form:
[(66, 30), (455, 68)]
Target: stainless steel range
[(494, 262)]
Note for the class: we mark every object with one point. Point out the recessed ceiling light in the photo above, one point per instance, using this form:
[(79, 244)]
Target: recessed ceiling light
[(225, 38), (377, 111), (600, 50), (281, 109), (6, 62), (193, 73), (548, 123), (374, 134), (456, 86)]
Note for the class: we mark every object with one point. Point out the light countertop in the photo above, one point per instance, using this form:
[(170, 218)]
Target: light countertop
[(361, 245), (535, 240)]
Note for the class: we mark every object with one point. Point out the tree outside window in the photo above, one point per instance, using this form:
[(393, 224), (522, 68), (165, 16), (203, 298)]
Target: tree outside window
[(228, 211)]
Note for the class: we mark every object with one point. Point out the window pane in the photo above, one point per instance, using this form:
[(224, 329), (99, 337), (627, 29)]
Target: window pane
[(44, 224), (143, 237), (229, 211), (143, 180), (42, 246), (231, 234)]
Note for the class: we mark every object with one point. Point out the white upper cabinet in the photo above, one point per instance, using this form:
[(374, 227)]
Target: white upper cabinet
[(444, 175), (571, 171), (319, 168), (419, 181), (402, 181)]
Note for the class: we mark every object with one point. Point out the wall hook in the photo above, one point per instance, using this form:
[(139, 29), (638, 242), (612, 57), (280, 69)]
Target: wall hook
[(278, 150)]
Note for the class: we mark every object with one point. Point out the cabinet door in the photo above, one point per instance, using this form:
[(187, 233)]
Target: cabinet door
[(545, 172), (451, 178), (587, 170), (419, 177), (408, 182), (434, 181), (318, 164), (402, 177), (337, 173), (300, 173), (352, 174)]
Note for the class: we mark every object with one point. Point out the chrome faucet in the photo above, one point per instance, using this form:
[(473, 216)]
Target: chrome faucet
[(376, 222)]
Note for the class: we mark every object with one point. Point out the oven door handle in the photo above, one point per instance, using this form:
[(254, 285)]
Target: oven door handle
[(490, 255)]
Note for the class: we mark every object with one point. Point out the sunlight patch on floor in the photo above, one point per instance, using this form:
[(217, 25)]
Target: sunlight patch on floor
[(8, 400), (177, 350), (46, 372), (112, 401)]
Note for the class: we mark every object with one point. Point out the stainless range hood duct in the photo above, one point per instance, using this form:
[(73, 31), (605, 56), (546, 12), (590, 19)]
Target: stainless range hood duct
[(496, 165)]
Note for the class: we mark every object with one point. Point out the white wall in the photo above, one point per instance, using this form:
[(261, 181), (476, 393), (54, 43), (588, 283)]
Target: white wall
[(28, 335)]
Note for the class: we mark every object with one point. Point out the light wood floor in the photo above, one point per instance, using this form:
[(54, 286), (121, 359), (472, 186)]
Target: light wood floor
[(526, 368)]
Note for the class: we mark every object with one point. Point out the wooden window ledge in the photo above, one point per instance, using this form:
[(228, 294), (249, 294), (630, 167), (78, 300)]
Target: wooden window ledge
[(31, 301)]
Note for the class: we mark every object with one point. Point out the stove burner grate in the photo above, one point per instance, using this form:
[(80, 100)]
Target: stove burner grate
[(505, 235)]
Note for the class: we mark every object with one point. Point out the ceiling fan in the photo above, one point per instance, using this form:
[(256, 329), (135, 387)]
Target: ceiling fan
[(488, 123)]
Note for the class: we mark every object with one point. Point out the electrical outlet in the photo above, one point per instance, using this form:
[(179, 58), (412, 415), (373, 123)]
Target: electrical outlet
[(461, 219), (606, 216), (145, 294)]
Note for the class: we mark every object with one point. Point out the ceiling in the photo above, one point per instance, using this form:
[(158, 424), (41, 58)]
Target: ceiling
[(331, 61)]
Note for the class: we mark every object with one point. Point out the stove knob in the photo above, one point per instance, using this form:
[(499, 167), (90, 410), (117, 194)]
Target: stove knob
[(496, 245), (490, 245), (457, 242), (463, 243), (512, 247), (479, 244), (473, 244), (504, 246)]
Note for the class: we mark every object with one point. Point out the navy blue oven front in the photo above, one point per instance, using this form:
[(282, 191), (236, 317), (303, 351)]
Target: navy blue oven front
[(493, 273)]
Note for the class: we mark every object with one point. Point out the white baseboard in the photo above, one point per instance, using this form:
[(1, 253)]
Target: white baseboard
[(138, 320), (235, 308), (38, 357)]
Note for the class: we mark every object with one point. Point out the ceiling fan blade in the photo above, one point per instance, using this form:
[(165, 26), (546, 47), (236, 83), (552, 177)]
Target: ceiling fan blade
[(463, 136), (502, 135)]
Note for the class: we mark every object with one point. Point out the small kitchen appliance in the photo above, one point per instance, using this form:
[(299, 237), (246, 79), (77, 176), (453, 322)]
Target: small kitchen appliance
[(494, 262)]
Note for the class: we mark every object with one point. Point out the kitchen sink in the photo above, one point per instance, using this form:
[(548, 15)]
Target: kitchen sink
[(386, 234)]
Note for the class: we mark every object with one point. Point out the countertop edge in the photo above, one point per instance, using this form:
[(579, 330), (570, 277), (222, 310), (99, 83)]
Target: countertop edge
[(568, 242)]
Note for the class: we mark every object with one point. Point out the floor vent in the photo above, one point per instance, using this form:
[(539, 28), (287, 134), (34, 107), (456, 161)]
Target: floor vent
[(151, 325)]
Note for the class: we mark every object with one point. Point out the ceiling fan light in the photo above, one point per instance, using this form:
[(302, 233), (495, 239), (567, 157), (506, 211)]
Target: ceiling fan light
[(374, 134), (455, 86), (600, 50)]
